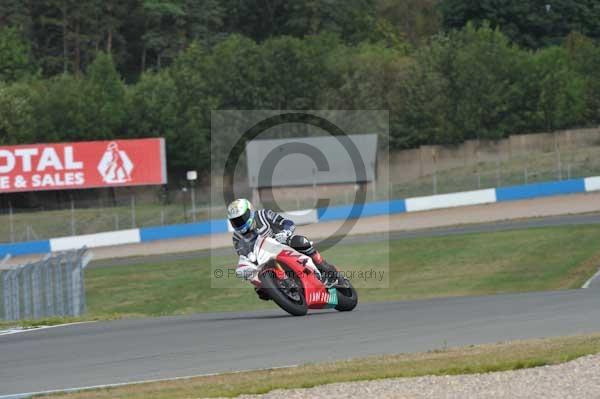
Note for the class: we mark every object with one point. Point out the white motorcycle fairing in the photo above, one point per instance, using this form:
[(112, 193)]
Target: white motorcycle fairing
[(267, 248)]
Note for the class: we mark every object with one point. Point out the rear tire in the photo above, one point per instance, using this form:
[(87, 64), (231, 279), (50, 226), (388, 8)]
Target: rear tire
[(347, 298), (270, 285)]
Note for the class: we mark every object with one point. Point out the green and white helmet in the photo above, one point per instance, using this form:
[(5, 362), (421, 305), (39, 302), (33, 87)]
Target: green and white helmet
[(241, 215)]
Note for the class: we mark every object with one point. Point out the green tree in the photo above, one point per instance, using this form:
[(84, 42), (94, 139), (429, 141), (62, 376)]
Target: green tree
[(162, 37), (154, 109), (368, 76), (70, 108), (234, 67), (68, 37), (353, 20), (104, 96), (469, 84), (17, 114), (561, 98), (532, 24), (585, 57), (198, 92), (415, 20), (204, 20), (151, 105), (106, 25), (110, 16), (16, 14), (293, 71), (488, 84), (59, 108), (425, 107), (15, 56)]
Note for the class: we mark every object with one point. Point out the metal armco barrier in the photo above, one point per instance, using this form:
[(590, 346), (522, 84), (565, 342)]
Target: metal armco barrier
[(53, 286)]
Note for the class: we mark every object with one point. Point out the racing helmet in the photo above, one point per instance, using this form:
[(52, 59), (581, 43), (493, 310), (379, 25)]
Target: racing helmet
[(241, 215)]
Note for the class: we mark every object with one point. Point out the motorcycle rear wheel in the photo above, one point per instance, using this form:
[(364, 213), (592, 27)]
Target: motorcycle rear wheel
[(272, 286)]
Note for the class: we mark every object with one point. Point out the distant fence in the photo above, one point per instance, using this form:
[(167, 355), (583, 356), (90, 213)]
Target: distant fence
[(50, 287)]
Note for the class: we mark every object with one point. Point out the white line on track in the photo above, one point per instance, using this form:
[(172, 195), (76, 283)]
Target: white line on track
[(70, 390), (24, 330), (595, 276)]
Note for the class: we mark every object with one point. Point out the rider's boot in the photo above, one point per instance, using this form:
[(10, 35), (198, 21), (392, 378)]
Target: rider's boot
[(329, 274)]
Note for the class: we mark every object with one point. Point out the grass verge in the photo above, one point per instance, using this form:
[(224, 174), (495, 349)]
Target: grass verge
[(466, 360), (541, 259), (473, 264)]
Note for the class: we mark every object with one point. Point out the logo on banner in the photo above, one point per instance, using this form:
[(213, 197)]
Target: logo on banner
[(115, 165)]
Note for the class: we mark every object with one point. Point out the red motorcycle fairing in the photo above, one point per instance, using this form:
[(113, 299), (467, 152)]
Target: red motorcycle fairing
[(317, 296)]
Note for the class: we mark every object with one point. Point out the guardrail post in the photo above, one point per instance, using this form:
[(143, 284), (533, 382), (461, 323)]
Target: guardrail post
[(15, 295), (75, 282), (26, 281), (6, 294), (53, 286), (85, 257), (38, 307), (58, 288), (48, 287), (69, 283), (75, 286)]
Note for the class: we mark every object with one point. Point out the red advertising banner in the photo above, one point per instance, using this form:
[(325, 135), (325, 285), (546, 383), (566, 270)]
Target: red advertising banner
[(66, 166)]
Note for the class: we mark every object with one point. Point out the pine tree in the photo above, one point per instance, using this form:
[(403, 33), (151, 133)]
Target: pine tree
[(204, 20), (15, 56), (104, 94), (162, 37), (16, 14)]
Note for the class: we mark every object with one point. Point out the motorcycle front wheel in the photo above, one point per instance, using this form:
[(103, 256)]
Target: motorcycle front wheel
[(287, 293)]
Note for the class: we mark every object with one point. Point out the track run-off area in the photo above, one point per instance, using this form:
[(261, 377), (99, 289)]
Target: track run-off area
[(125, 351)]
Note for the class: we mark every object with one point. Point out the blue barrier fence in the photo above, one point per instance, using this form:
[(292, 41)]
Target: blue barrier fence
[(356, 211), (540, 190), (183, 230), (25, 248)]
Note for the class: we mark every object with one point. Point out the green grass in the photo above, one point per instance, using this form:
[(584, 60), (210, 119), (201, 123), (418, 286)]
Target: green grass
[(462, 265), (474, 264), (469, 360)]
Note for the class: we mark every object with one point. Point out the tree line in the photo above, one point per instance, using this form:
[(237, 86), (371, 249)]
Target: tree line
[(446, 70)]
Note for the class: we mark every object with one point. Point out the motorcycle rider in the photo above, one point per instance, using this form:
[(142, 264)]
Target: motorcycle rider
[(248, 224)]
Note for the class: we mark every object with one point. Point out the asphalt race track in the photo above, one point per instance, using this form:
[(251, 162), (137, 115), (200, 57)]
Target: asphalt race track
[(133, 350)]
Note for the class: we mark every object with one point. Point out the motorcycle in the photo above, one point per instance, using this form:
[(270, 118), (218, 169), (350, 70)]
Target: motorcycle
[(292, 281)]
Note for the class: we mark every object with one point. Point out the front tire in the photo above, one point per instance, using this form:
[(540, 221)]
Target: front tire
[(347, 298), (272, 285)]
